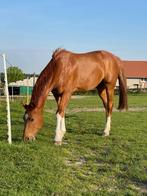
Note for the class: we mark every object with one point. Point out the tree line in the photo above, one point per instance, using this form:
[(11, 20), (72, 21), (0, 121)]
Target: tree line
[(14, 74)]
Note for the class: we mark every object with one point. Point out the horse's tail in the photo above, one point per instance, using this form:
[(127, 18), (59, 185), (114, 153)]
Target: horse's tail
[(123, 101)]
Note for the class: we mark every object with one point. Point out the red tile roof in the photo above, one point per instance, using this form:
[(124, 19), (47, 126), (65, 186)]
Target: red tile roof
[(135, 69)]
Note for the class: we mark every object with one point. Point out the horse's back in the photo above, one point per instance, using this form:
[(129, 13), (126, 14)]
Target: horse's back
[(101, 58), (84, 71)]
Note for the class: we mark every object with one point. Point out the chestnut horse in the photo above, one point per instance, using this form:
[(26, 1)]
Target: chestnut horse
[(68, 72)]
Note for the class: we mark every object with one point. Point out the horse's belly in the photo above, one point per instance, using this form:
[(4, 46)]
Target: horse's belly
[(89, 82)]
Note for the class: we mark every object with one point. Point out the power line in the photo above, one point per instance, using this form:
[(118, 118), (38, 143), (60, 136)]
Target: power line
[(7, 61)]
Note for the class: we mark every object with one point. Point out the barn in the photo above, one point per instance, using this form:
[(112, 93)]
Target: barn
[(22, 87), (136, 73)]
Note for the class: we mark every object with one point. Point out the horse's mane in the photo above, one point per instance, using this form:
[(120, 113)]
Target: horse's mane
[(57, 52), (43, 80)]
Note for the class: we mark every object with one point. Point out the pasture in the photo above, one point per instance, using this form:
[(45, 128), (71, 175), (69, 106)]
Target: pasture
[(86, 163)]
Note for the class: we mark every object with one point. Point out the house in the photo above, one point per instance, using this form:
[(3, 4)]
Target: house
[(136, 73)]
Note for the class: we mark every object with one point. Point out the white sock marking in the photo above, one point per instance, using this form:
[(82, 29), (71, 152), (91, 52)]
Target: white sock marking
[(60, 128), (62, 125), (58, 122), (108, 126)]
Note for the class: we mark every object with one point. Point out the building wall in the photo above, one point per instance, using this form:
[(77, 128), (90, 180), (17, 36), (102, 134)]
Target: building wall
[(24, 90), (133, 83)]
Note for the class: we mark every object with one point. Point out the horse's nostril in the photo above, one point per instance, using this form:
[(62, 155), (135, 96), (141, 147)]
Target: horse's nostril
[(29, 138), (26, 139)]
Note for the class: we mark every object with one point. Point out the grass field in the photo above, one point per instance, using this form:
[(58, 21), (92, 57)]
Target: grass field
[(87, 163)]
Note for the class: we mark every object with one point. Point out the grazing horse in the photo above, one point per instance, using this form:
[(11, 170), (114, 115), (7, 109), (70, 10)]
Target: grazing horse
[(68, 72)]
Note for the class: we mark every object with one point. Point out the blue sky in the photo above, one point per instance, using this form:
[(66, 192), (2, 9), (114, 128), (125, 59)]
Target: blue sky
[(31, 29)]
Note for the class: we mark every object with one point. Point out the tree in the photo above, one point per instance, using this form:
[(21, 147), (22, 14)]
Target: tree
[(1, 79), (14, 74)]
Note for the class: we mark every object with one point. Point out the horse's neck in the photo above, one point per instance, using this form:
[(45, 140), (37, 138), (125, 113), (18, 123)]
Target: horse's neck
[(42, 99), (42, 87), (39, 101)]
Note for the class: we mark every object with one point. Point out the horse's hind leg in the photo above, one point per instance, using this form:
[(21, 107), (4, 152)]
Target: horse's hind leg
[(60, 127), (106, 93), (110, 95), (103, 95)]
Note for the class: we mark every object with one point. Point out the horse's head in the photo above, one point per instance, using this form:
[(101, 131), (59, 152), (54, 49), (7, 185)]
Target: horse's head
[(33, 121)]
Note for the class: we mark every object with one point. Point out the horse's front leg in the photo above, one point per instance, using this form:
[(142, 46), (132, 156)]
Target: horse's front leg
[(60, 127), (110, 95)]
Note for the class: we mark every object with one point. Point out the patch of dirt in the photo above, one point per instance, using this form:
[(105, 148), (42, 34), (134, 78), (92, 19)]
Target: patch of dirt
[(76, 110), (51, 97), (78, 162), (141, 187)]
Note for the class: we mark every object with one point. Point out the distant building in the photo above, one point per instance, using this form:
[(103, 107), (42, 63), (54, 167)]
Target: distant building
[(136, 73), (22, 87)]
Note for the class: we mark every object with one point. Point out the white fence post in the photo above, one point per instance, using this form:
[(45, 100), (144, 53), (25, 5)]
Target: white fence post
[(27, 90), (8, 102)]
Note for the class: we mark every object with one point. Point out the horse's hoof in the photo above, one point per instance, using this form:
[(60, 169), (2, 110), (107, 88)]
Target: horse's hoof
[(105, 134), (58, 143)]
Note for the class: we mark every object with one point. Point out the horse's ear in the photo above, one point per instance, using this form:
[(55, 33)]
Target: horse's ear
[(33, 105), (25, 106), (29, 107)]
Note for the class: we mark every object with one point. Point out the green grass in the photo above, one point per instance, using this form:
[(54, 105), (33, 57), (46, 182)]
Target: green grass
[(87, 163), (94, 101)]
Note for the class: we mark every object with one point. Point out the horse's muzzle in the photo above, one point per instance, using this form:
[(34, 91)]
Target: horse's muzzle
[(29, 138)]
